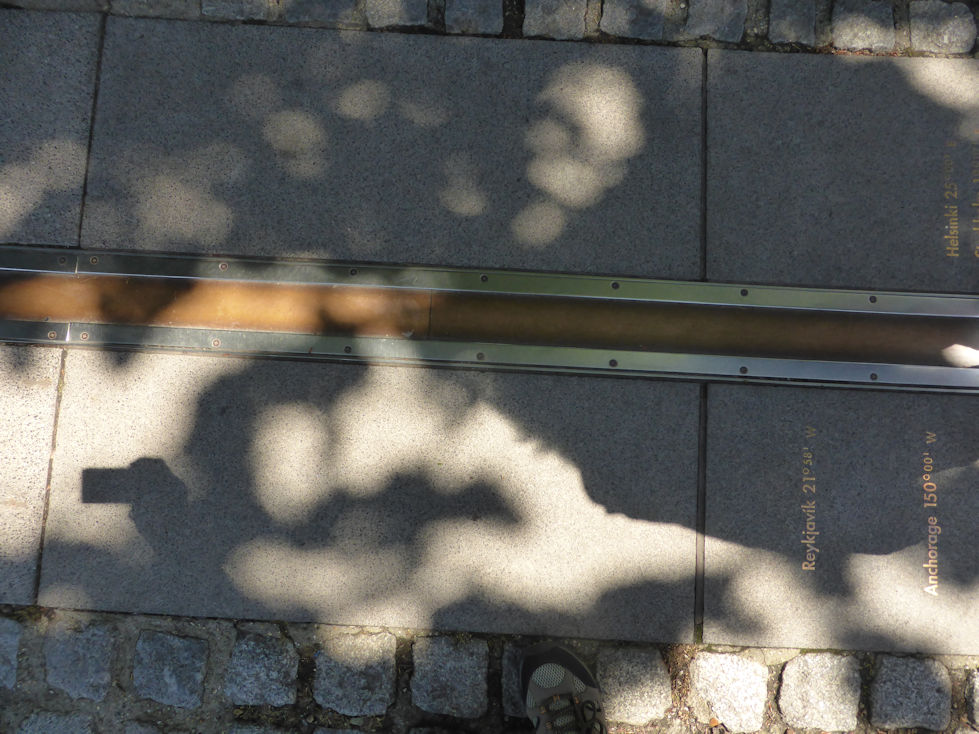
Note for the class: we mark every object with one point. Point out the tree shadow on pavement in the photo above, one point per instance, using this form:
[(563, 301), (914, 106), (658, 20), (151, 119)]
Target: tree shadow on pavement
[(428, 498)]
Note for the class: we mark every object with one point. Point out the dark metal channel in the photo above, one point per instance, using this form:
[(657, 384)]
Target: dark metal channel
[(701, 329), (616, 324)]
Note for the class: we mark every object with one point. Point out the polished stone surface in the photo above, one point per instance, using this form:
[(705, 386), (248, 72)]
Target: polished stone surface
[(842, 171), (397, 148), (374, 495), (820, 527), (28, 394), (46, 88)]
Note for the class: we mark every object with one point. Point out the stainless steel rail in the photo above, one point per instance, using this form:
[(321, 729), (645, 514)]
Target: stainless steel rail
[(489, 319)]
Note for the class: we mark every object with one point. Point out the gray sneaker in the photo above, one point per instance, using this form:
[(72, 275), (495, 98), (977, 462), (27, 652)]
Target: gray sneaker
[(562, 695)]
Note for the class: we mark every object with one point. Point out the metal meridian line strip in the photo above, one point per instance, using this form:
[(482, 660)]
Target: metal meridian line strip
[(257, 270), (489, 319)]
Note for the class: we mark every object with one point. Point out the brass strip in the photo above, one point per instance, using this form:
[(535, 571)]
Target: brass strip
[(562, 321), (215, 304)]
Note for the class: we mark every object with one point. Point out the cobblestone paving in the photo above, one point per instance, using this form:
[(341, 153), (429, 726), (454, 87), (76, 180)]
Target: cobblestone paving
[(908, 27), (132, 674)]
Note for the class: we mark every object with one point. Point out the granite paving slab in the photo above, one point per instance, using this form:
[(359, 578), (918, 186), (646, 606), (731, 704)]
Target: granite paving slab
[(842, 519), (397, 148), (46, 88), (28, 394), (370, 495), (843, 171)]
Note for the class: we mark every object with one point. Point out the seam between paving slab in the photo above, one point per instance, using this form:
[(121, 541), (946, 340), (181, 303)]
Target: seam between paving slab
[(703, 166), (50, 472), (701, 521), (902, 23), (96, 83)]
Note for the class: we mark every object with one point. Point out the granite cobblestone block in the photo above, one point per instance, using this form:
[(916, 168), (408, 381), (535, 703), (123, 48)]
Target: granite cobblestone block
[(66, 6), (135, 727), (235, 9), (10, 633), (561, 19), (817, 691), (79, 661), (863, 25), (331, 13), (792, 21), (513, 702), (450, 676), (936, 26), (907, 692), (262, 670), (355, 674), (170, 668), (474, 16), (178, 9), (941, 27), (48, 723), (972, 697), (821, 691), (651, 20), (636, 684), (719, 19), (730, 688), (391, 13)]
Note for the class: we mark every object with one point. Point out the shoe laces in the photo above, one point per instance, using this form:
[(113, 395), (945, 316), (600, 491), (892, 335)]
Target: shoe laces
[(568, 714)]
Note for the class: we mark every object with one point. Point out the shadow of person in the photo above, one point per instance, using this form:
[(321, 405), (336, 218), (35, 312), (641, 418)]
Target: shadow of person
[(169, 529)]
